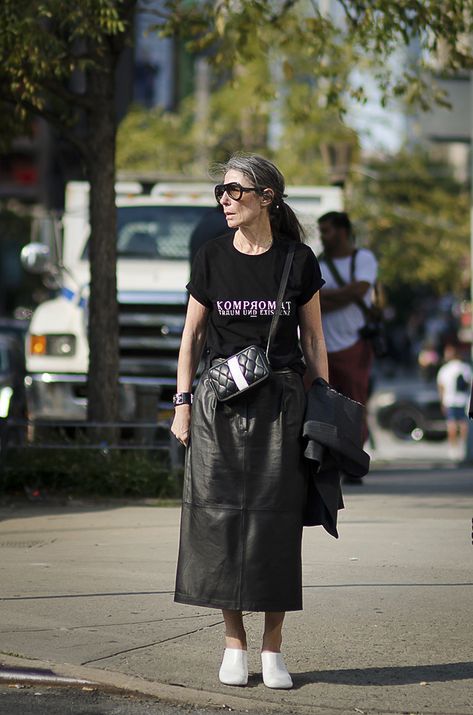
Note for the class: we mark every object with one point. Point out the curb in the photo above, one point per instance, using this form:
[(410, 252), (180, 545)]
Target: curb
[(14, 669), (32, 676)]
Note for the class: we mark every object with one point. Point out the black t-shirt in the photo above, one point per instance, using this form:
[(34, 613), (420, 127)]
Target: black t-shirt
[(240, 290)]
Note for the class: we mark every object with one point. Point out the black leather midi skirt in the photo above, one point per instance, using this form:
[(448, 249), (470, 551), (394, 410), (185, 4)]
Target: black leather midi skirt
[(244, 489)]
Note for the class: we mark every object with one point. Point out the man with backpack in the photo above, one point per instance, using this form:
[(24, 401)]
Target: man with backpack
[(346, 298), (454, 384)]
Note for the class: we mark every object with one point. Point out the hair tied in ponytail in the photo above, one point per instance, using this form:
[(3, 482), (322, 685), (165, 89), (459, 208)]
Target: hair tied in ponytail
[(280, 201)]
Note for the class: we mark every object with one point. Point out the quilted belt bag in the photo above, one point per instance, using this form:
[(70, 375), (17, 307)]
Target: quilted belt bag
[(249, 367)]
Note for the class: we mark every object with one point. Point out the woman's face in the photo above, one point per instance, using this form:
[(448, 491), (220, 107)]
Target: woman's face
[(248, 209)]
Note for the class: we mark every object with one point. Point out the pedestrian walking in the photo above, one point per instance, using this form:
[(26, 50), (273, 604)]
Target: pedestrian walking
[(454, 385), (245, 476), (350, 276)]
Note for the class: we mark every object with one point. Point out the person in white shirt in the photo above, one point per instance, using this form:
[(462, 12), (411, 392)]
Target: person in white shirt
[(350, 356), (454, 384)]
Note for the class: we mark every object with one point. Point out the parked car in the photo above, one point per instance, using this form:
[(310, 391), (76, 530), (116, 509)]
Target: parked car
[(410, 410)]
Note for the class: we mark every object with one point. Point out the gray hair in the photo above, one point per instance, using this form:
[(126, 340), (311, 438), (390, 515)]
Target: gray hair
[(263, 174)]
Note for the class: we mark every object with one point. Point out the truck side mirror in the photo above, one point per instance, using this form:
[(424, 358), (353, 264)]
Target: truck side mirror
[(36, 258)]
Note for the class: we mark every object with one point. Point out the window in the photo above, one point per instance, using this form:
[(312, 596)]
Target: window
[(155, 232)]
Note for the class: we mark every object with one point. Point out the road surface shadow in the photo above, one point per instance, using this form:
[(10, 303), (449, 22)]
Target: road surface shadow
[(393, 675)]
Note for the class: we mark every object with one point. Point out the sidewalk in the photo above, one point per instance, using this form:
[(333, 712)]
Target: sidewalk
[(390, 451), (86, 590)]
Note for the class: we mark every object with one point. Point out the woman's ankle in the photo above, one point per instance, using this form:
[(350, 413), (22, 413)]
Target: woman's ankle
[(235, 642), (271, 645)]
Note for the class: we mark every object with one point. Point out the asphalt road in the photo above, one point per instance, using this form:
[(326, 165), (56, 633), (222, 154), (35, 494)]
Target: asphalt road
[(71, 701)]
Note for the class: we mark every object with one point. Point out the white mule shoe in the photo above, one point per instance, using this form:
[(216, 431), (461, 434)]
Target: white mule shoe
[(234, 668), (275, 673)]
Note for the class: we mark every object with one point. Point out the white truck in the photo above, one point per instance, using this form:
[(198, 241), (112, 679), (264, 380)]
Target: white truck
[(154, 229)]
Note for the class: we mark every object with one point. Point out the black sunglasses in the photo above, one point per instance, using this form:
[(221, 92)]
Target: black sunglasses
[(234, 190)]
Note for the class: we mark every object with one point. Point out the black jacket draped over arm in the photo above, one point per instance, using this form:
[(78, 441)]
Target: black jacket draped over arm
[(333, 431)]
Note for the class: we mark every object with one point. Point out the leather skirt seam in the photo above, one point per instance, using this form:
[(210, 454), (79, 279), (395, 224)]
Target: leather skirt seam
[(251, 509)]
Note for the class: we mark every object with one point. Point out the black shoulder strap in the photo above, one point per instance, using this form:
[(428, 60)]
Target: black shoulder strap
[(352, 264), (338, 279), (282, 290), (333, 270)]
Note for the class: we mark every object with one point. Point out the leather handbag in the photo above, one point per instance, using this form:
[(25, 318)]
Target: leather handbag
[(249, 367)]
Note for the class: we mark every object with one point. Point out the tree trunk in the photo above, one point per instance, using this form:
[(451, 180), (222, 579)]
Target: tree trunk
[(103, 312)]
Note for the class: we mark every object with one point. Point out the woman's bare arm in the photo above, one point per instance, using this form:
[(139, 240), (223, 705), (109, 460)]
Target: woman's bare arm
[(192, 344), (337, 298), (312, 341)]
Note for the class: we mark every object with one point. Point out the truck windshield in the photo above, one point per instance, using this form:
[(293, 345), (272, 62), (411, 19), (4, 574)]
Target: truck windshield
[(155, 232)]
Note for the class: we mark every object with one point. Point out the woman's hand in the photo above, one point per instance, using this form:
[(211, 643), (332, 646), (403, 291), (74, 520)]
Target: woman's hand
[(181, 424)]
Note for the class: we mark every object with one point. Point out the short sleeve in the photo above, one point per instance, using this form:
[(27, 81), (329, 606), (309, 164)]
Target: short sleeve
[(310, 276), (366, 266), (198, 284)]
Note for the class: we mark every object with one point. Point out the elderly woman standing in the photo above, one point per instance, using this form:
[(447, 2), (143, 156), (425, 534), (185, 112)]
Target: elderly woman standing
[(245, 479)]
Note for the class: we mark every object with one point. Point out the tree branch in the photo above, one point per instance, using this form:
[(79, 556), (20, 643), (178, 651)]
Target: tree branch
[(67, 95), (117, 42), (349, 16), (148, 7), (285, 8), (52, 119)]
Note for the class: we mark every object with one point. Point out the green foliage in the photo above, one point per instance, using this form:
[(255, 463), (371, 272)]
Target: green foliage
[(43, 45), (239, 110), (286, 67), (276, 63), (171, 142), (310, 123), (58, 60), (240, 115), (155, 140), (87, 472), (415, 216), (236, 31)]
